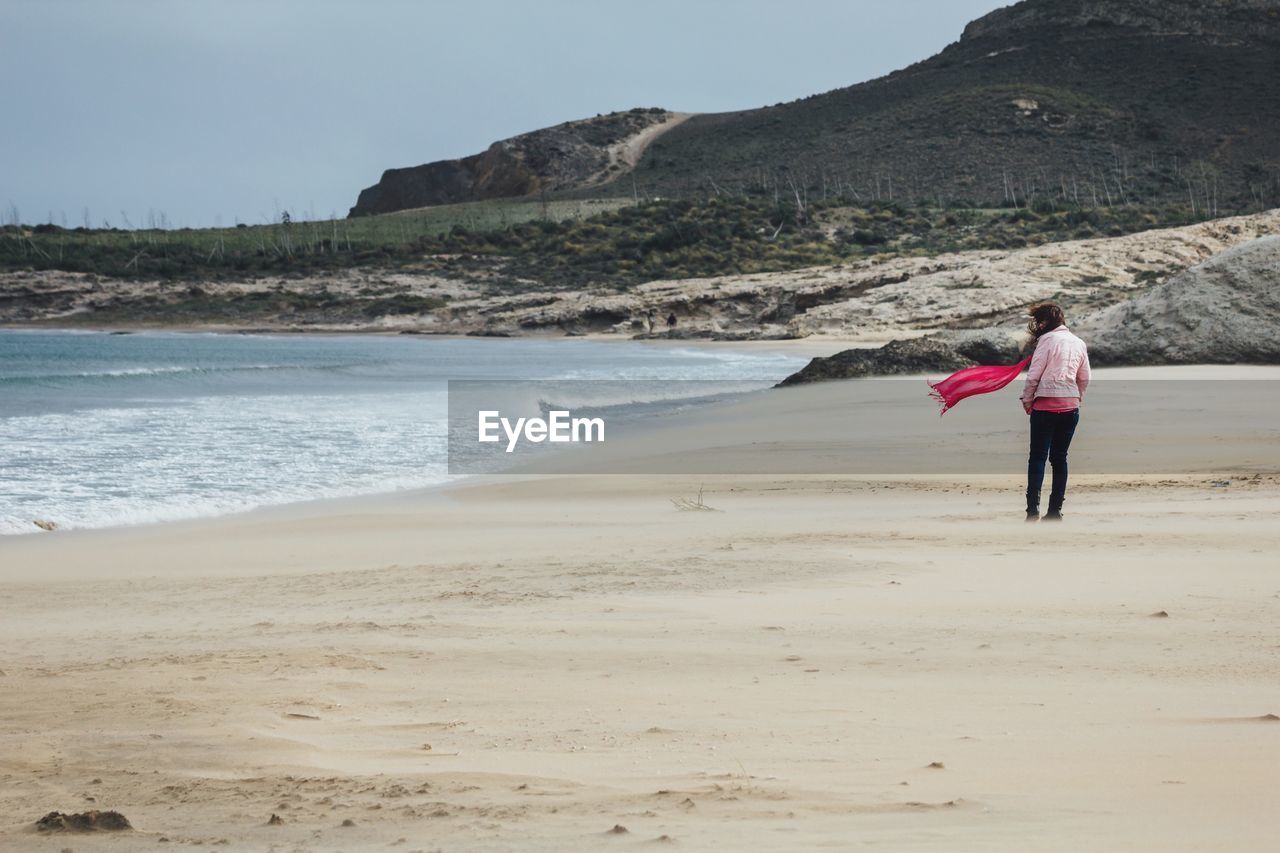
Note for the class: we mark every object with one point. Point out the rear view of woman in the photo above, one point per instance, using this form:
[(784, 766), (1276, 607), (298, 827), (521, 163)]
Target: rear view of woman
[(1055, 386)]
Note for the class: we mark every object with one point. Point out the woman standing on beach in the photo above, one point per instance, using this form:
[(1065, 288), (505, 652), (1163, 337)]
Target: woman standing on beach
[(1056, 381)]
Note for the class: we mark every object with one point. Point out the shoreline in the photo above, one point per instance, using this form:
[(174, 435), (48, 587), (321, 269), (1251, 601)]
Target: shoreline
[(809, 345), (179, 511), (688, 433)]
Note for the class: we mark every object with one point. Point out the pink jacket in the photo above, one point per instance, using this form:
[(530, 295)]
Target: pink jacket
[(1059, 367)]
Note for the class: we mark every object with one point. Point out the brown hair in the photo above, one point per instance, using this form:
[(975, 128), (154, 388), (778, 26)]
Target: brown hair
[(1045, 317)]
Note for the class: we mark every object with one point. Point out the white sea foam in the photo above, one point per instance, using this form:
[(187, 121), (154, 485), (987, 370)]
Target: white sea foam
[(209, 456), (213, 425), (160, 370)]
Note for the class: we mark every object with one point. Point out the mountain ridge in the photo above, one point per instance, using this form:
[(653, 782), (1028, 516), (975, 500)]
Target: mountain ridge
[(1233, 17), (1084, 102)]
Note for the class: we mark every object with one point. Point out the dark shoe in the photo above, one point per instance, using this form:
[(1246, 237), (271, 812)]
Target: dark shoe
[(1055, 509), (1033, 515)]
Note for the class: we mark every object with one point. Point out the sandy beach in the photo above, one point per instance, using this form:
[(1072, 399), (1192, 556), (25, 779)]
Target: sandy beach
[(827, 660), (587, 427)]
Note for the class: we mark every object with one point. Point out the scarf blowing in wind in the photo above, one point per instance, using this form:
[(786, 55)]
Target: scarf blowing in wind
[(982, 379)]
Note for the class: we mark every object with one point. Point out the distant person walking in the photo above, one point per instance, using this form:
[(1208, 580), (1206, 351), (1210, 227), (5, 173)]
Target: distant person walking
[(1055, 386), (671, 322)]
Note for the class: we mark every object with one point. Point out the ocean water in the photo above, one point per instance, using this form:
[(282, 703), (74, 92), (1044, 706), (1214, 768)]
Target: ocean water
[(99, 430)]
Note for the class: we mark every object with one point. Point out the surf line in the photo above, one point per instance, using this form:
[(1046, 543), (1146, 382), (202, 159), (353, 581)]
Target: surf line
[(559, 426)]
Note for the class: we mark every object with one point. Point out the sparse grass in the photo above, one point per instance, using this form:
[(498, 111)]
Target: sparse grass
[(694, 504)]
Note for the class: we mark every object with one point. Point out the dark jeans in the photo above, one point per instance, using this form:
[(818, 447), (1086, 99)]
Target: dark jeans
[(1050, 438)]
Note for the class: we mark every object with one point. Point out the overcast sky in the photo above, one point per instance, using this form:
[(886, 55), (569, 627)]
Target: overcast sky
[(222, 110)]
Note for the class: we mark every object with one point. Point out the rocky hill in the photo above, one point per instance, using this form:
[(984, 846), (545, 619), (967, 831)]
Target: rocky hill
[(1085, 101), (1221, 311), (1097, 101), (572, 155)]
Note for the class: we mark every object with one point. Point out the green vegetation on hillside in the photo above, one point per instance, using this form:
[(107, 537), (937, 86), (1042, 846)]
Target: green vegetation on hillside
[(274, 249), (719, 236), (526, 245)]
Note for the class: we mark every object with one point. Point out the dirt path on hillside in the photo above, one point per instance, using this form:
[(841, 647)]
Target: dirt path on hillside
[(626, 154)]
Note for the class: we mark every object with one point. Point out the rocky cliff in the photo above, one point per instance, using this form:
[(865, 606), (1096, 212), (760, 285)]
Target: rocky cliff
[(575, 154)]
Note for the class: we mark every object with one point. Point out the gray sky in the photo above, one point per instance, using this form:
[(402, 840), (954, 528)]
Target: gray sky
[(219, 110)]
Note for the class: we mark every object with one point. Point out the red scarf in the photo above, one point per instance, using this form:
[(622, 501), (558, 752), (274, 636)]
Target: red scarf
[(982, 379)]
